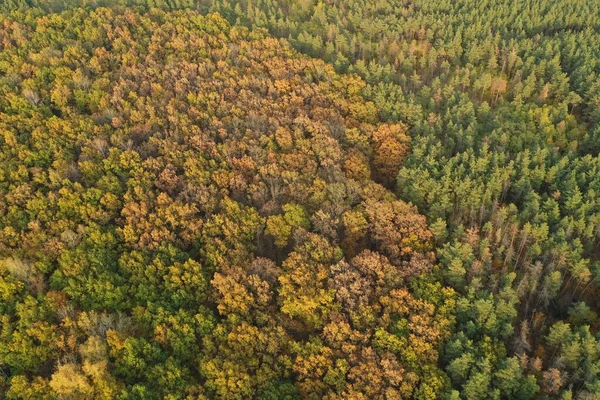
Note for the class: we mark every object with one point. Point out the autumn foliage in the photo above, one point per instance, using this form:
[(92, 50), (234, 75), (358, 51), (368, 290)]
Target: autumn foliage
[(188, 210)]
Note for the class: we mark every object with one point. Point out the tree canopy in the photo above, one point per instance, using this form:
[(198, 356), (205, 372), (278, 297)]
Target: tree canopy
[(299, 199)]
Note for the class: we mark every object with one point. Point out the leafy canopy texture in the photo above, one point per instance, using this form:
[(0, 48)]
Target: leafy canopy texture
[(194, 210), (189, 208)]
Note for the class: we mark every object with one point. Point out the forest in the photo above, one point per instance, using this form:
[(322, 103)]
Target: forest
[(299, 199)]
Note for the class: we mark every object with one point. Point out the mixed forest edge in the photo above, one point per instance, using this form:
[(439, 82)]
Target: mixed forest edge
[(299, 199)]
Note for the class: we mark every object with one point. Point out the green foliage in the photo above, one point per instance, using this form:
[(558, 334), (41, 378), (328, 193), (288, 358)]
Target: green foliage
[(174, 199), (188, 209)]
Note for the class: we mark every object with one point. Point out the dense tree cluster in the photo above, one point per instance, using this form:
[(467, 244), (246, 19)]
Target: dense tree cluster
[(501, 98), (191, 209)]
